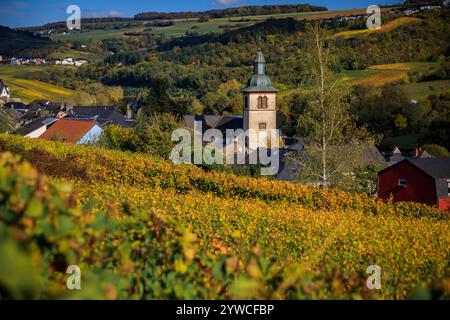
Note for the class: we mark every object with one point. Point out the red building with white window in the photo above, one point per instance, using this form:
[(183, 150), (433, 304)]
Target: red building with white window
[(424, 180)]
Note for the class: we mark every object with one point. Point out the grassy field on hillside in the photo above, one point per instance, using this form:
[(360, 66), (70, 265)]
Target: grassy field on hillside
[(413, 66), (384, 28), (213, 25), (85, 36), (421, 90), (160, 231), (29, 90), (70, 53), (380, 75), (16, 77), (20, 71)]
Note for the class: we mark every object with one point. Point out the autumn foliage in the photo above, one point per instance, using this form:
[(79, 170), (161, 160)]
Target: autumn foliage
[(139, 227)]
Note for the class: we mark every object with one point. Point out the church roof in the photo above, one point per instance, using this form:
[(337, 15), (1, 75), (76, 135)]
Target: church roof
[(261, 89), (259, 82), (221, 123)]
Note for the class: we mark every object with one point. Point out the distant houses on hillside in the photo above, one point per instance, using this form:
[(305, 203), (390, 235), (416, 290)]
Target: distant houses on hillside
[(105, 115), (40, 61), (410, 10), (35, 120), (71, 62)]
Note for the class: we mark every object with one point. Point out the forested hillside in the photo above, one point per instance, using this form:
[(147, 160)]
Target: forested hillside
[(22, 42), (203, 73)]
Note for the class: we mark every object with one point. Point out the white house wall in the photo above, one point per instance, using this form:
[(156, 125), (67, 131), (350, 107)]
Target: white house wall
[(92, 136), (37, 133)]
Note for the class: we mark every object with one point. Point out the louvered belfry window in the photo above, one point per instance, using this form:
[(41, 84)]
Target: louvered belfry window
[(263, 102)]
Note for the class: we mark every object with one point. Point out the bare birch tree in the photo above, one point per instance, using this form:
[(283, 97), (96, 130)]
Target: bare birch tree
[(333, 142)]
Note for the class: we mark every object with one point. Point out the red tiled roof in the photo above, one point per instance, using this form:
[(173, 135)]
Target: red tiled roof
[(68, 130)]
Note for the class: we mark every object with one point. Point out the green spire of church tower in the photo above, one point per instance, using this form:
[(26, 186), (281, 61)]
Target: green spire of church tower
[(259, 82), (260, 63)]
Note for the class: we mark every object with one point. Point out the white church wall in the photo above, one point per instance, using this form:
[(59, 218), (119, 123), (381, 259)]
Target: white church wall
[(255, 116)]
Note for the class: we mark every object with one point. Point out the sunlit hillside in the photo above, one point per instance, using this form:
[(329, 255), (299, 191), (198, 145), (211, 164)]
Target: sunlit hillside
[(22, 86), (140, 227)]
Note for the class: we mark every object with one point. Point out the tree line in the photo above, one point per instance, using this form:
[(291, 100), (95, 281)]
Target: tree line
[(230, 12)]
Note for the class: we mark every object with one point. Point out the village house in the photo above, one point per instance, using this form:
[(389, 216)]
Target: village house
[(15, 61), (424, 180), (79, 63), (398, 156), (42, 109), (429, 8), (25, 61), (37, 127), (104, 116), (17, 106), (71, 62), (24, 114), (33, 119), (73, 131), (418, 8)]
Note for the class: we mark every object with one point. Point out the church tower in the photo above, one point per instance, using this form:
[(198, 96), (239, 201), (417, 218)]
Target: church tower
[(260, 108)]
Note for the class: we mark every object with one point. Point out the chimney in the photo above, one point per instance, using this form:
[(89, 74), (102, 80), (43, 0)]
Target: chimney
[(417, 151)]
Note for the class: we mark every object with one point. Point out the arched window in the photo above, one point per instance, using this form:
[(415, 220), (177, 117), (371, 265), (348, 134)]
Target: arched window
[(263, 102)]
